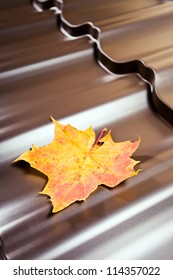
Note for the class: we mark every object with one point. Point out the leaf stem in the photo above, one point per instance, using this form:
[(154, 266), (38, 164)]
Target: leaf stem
[(100, 135)]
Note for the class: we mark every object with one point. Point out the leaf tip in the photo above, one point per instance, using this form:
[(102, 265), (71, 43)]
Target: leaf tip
[(52, 119), (15, 160), (139, 139)]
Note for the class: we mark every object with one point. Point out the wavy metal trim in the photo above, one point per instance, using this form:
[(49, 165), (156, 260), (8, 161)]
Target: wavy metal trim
[(138, 67)]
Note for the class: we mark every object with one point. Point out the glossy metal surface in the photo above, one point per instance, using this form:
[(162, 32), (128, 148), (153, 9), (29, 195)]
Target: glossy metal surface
[(45, 73), (133, 66)]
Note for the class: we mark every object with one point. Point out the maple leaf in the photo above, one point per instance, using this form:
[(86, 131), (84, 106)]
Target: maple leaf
[(76, 164)]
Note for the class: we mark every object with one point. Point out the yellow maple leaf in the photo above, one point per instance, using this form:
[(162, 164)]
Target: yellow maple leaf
[(76, 165)]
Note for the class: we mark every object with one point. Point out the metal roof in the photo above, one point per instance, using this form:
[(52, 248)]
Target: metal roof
[(43, 72)]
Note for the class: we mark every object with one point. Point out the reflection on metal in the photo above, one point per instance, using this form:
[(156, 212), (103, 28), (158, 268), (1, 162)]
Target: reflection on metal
[(116, 219), (146, 73), (42, 65), (103, 113)]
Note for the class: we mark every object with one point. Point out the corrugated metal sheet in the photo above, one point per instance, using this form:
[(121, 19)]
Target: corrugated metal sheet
[(44, 73)]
